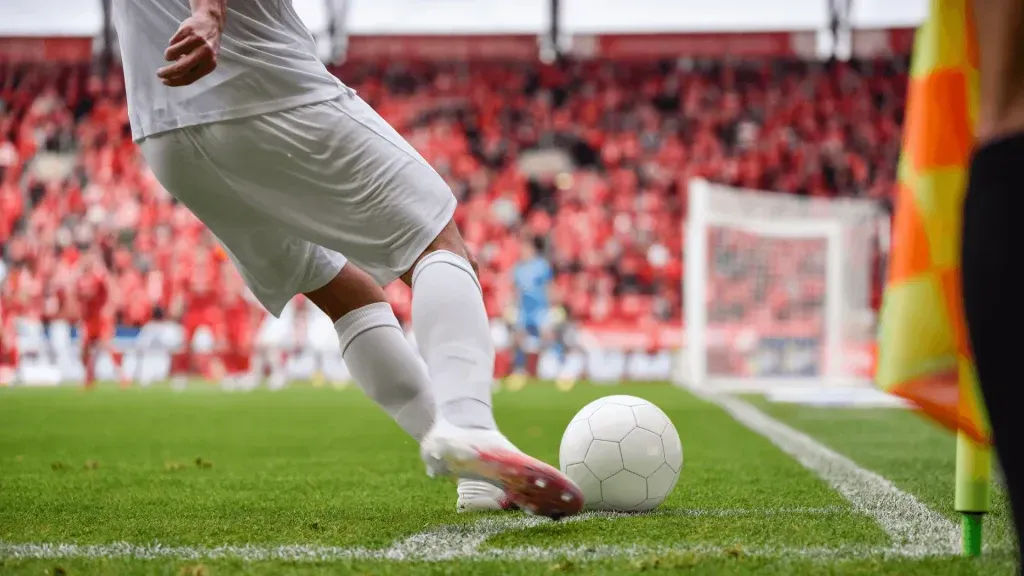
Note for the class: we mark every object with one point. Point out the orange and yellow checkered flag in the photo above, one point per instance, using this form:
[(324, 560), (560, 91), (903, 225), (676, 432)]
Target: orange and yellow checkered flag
[(924, 354)]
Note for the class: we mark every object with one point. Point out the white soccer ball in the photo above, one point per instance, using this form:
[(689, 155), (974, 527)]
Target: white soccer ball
[(623, 452)]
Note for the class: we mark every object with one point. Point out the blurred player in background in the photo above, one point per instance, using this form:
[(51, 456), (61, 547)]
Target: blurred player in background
[(199, 311), (95, 299), (8, 345), (236, 334), (532, 277), (311, 192)]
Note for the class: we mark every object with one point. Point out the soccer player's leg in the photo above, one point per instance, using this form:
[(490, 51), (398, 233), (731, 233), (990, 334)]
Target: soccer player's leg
[(453, 334), (8, 355), (89, 348), (382, 363), (222, 359), (253, 216), (240, 351), (532, 346), (374, 348), (108, 332), (97, 340), (526, 335), (182, 364), (334, 174), (414, 210), (101, 332), (992, 239), (519, 361), (409, 232)]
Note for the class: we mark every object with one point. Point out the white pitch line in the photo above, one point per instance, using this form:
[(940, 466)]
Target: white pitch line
[(915, 529), (456, 540), (301, 553), (466, 542)]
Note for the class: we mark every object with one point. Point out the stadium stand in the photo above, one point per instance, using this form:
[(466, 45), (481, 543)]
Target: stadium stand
[(594, 158)]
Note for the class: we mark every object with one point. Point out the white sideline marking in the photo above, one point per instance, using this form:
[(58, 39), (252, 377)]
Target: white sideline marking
[(456, 540), (915, 529), (465, 542), (309, 553)]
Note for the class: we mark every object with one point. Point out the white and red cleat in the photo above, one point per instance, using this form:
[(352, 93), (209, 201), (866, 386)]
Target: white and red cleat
[(486, 455), (479, 496)]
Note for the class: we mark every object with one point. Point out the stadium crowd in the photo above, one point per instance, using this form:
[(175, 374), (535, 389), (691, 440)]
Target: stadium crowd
[(591, 157)]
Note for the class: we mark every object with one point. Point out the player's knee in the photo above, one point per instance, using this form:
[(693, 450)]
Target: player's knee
[(449, 240), (350, 290)]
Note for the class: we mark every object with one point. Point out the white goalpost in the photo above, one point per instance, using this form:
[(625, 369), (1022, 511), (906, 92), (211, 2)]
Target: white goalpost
[(777, 289)]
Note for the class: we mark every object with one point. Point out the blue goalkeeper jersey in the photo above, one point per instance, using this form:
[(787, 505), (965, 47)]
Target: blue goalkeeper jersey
[(532, 278)]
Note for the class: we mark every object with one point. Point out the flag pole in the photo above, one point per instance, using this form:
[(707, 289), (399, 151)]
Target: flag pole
[(973, 482)]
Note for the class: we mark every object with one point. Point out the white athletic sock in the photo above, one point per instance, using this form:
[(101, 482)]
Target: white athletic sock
[(454, 338), (387, 369)]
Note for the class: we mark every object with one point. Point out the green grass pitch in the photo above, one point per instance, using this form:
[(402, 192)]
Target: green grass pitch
[(318, 481)]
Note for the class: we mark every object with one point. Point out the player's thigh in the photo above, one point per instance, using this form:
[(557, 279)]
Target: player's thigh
[(336, 174), (275, 264)]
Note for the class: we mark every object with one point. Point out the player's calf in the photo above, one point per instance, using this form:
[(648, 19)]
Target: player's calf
[(454, 337), (452, 330), (375, 350)]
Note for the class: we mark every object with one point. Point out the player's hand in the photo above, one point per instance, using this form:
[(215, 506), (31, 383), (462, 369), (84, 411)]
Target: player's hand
[(192, 50)]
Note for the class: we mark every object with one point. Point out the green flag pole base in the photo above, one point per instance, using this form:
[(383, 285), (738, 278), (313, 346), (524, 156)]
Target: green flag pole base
[(970, 533), (973, 474)]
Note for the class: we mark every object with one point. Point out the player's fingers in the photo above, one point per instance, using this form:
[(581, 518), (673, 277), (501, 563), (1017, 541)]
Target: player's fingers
[(181, 47), (195, 73), (183, 65), (198, 72), (183, 31), (179, 66)]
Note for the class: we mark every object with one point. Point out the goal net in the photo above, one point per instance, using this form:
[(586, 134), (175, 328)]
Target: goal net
[(778, 289)]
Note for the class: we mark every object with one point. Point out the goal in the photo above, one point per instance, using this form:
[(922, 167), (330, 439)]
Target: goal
[(777, 289)]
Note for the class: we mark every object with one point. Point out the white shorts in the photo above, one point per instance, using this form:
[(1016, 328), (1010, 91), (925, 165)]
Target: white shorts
[(291, 194)]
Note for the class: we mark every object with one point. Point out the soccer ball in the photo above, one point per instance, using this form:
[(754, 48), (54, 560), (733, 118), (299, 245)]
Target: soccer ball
[(623, 452)]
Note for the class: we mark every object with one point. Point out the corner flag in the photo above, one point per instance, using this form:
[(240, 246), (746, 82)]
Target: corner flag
[(924, 353)]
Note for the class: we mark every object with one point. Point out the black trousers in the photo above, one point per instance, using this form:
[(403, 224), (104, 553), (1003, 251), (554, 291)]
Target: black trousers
[(993, 290)]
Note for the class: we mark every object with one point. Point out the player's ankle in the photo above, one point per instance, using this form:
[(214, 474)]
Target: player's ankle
[(468, 413)]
